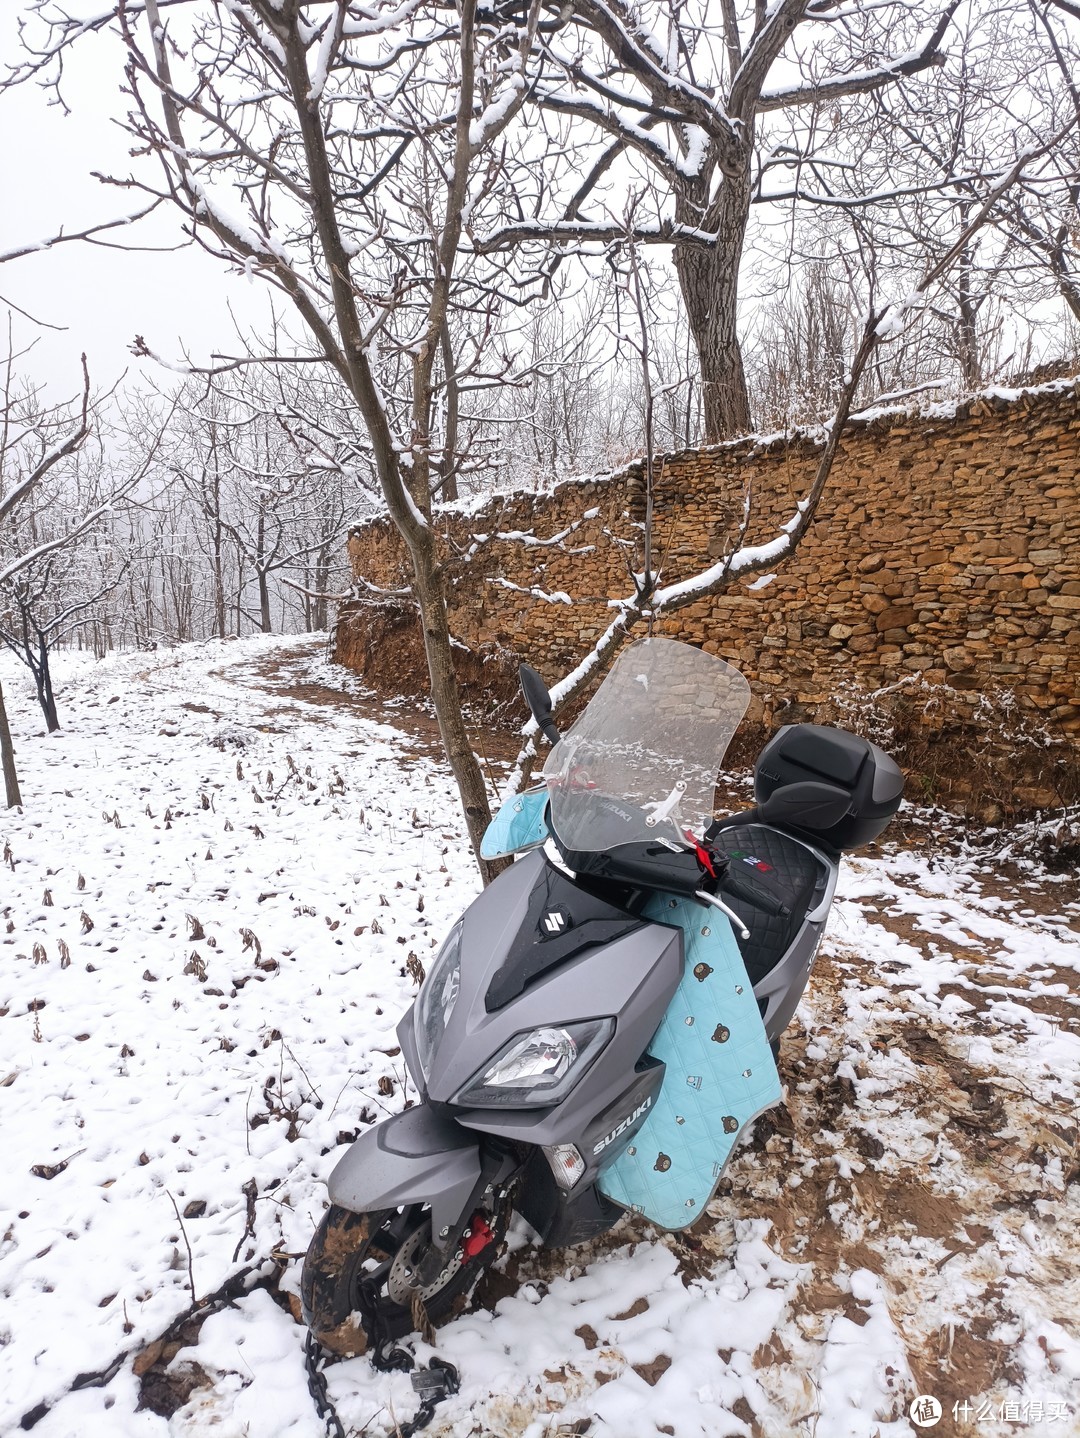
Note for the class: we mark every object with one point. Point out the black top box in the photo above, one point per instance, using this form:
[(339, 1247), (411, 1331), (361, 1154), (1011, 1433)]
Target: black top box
[(800, 752)]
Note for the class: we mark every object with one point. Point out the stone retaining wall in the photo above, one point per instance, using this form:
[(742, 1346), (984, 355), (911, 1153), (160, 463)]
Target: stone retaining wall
[(936, 599)]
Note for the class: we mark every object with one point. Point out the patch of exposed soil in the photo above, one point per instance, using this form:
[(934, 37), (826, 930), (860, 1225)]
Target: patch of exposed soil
[(973, 1189), (286, 676)]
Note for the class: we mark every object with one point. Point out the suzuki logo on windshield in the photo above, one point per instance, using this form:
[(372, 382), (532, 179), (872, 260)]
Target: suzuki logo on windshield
[(555, 921)]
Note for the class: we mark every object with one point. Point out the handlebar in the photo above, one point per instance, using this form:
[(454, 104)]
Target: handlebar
[(733, 883)]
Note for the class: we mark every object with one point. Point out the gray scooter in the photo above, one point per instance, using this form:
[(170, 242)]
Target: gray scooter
[(531, 1041)]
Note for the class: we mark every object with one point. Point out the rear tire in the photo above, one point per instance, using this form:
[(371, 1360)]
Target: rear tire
[(381, 1245)]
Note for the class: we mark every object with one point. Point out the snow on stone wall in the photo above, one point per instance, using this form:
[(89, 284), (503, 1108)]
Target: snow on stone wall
[(943, 568)]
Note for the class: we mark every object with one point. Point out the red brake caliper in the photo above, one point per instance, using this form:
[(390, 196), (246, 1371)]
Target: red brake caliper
[(478, 1236)]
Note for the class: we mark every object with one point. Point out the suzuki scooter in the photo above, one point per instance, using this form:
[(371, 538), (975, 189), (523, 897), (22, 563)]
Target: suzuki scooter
[(602, 1023)]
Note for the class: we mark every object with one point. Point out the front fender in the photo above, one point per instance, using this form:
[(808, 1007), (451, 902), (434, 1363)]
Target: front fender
[(414, 1157)]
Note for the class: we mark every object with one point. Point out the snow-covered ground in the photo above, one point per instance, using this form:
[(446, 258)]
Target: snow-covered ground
[(207, 909)]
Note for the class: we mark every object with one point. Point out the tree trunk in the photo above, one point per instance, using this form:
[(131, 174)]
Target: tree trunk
[(322, 579), (967, 329), (709, 281), (219, 583), (449, 487), (240, 582), (428, 589), (7, 756), (43, 676), (264, 603), (45, 686), (264, 592)]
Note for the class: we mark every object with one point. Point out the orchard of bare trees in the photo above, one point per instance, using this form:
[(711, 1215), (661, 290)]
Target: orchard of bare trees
[(508, 243)]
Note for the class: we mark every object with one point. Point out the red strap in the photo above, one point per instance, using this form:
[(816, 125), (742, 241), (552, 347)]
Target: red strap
[(704, 858)]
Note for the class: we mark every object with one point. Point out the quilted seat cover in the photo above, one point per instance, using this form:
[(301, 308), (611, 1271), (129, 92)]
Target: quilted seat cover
[(783, 869)]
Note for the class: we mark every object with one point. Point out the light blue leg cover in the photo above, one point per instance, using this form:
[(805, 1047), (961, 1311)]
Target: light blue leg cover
[(720, 1075), (520, 824)]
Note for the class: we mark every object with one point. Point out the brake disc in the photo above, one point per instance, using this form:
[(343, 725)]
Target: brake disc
[(401, 1284)]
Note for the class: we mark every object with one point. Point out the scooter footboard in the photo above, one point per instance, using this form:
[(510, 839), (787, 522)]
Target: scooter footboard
[(414, 1157)]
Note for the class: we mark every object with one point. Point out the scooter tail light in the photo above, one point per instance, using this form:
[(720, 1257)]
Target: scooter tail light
[(567, 1164)]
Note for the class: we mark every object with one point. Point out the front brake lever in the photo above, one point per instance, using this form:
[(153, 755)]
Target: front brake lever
[(707, 898)]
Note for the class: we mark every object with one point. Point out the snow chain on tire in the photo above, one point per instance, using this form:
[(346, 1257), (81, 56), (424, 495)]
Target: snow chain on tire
[(320, 1396), (437, 1381)]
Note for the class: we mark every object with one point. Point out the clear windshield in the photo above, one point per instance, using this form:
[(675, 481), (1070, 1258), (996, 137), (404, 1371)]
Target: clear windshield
[(642, 761)]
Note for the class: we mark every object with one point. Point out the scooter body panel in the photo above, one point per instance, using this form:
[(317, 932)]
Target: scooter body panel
[(634, 980), (630, 980), (720, 1075), (414, 1157), (779, 991)]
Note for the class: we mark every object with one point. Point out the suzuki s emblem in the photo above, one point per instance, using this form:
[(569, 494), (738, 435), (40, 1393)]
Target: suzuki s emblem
[(555, 921)]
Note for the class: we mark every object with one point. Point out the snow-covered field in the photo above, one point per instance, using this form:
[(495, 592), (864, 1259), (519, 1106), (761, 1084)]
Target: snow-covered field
[(207, 910)]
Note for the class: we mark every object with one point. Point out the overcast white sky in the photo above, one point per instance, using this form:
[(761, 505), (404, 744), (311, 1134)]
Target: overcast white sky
[(103, 296)]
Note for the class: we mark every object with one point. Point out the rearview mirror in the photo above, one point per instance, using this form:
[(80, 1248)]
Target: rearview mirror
[(807, 806), (538, 700)]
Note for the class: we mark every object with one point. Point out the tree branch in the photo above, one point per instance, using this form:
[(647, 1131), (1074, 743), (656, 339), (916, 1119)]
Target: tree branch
[(664, 232), (39, 246), (60, 451)]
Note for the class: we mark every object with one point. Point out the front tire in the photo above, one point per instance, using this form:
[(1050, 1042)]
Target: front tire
[(381, 1247)]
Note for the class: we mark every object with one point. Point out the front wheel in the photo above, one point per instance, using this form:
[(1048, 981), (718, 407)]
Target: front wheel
[(380, 1250)]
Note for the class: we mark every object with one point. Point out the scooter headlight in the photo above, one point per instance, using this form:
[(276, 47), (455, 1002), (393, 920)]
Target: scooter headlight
[(436, 999), (540, 1068)]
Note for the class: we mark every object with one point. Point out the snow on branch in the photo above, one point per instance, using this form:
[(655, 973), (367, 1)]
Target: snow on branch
[(663, 232), (642, 55), (530, 541), (65, 446), (90, 234), (498, 111), (376, 21), (559, 597), (782, 97), (32, 556), (636, 136)]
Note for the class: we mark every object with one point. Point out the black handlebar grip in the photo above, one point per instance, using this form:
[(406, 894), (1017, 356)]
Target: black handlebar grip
[(734, 884)]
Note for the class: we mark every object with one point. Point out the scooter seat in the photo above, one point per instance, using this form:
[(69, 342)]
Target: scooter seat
[(782, 869)]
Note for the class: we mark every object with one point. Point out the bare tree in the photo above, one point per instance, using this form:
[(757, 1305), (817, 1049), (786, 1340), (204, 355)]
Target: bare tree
[(675, 96), (652, 600), (35, 439), (249, 479), (917, 161), (1042, 216), (60, 505), (44, 601), (299, 187)]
